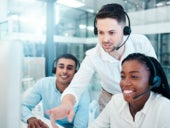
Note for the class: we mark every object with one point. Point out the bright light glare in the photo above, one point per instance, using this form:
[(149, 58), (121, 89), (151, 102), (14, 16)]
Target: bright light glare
[(82, 26), (90, 10), (71, 3), (90, 28), (168, 2), (30, 20), (57, 15), (14, 17), (160, 4)]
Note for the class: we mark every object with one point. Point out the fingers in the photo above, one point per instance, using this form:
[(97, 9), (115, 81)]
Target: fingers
[(61, 112), (71, 115), (42, 124), (33, 123), (36, 123), (52, 111), (57, 113), (48, 112), (53, 122)]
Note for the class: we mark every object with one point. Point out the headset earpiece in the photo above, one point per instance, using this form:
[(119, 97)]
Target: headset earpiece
[(156, 81), (54, 67), (54, 70), (95, 28), (126, 30)]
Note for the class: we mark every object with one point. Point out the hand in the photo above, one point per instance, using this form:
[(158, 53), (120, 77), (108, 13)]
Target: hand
[(61, 112), (36, 123)]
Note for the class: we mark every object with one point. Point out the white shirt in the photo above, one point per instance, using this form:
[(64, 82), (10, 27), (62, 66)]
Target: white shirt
[(107, 67), (116, 114)]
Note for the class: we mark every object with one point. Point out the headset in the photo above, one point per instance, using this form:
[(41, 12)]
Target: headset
[(156, 80), (126, 30), (70, 57), (54, 66)]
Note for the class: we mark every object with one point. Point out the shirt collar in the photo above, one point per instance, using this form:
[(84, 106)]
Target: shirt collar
[(148, 102), (104, 55), (124, 109)]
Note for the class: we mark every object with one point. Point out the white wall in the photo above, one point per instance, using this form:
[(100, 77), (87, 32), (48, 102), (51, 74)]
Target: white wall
[(156, 20)]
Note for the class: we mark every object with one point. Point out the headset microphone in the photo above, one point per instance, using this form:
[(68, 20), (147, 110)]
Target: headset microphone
[(117, 48), (137, 96)]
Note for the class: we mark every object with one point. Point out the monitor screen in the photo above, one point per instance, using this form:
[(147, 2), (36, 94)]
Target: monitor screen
[(11, 57)]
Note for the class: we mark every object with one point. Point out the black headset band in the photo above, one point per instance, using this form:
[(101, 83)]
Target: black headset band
[(129, 24), (126, 32), (156, 80)]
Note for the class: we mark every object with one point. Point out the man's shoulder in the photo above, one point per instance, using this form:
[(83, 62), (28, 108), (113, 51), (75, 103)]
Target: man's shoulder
[(49, 78), (93, 51), (138, 36), (139, 40), (45, 81)]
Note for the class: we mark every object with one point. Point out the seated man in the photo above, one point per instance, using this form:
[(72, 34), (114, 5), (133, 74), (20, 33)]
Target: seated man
[(145, 98), (49, 90)]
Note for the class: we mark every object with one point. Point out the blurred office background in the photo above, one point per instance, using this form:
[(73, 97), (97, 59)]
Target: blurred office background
[(47, 28)]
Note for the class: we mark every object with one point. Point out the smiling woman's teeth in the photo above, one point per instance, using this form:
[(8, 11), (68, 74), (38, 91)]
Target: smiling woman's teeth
[(127, 91)]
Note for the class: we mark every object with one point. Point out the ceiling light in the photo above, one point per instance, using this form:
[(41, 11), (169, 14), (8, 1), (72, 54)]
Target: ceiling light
[(160, 4), (90, 10), (168, 2), (82, 26), (91, 28), (71, 3)]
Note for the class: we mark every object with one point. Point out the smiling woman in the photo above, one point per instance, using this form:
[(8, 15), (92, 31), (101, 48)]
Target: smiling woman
[(134, 80), (142, 77)]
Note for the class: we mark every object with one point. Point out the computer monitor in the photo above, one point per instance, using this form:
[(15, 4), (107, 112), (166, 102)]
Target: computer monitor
[(10, 83)]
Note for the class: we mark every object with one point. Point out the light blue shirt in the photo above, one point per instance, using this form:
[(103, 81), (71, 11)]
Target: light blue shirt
[(45, 90)]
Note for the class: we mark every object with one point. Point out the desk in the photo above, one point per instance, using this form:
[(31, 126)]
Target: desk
[(24, 125)]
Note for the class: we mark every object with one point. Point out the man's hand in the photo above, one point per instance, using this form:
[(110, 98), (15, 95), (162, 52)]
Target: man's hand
[(66, 109), (36, 123), (61, 112)]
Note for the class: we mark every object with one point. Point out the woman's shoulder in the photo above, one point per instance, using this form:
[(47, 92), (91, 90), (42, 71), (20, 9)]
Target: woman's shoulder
[(162, 98), (161, 101)]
